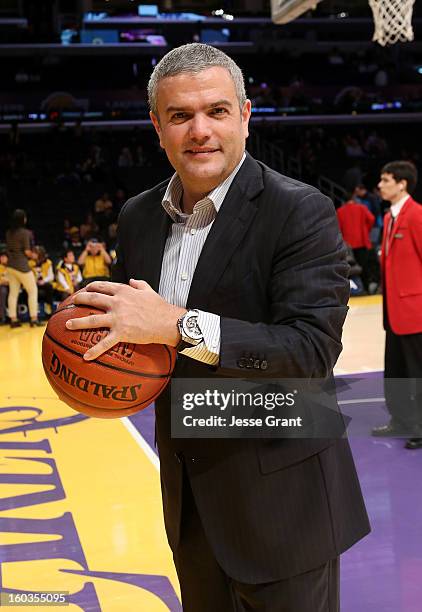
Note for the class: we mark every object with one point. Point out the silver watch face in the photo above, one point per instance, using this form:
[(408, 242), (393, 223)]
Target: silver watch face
[(191, 328)]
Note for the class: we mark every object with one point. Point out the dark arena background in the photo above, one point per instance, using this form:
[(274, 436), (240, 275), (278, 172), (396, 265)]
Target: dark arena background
[(80, 501)]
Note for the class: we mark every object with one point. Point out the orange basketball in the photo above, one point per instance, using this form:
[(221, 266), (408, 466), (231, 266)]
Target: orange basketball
[(120, 382)]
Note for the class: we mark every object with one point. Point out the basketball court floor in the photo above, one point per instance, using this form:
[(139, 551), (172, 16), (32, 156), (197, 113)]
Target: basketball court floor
[(80, 504)]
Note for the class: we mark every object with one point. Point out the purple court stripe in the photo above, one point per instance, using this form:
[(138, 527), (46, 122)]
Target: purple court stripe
[(144, 421)]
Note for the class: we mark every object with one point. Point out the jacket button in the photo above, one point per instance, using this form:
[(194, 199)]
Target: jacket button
[(264, 364)]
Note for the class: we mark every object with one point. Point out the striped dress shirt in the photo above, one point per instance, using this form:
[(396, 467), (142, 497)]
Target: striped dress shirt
[(184, 244)]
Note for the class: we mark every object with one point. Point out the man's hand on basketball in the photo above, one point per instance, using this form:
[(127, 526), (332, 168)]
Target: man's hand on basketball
[(133, 313)]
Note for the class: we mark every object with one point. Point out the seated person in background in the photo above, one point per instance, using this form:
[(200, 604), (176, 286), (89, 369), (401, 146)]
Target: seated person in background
[(112, 235), (103, 212), (89, 228), (75, 241), (95, 261), (4, 287), (103, 203), (43, 270), (68, 275)]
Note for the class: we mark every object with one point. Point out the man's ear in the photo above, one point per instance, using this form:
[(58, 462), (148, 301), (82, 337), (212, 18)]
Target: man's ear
[(156, 124), (246, 115)]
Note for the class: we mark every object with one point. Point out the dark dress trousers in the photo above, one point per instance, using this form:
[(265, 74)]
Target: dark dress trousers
[(273, 267)]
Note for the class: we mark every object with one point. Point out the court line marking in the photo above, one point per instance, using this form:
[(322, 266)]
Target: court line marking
[(140, 440)]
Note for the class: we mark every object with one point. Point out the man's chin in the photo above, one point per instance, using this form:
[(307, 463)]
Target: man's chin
[(202, 170)]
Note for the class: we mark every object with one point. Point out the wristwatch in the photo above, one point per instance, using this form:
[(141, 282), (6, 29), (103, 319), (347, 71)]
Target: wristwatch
[(190, 332)]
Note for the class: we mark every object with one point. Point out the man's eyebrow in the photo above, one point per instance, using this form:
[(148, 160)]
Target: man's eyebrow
[(221, 103), (172, 109)]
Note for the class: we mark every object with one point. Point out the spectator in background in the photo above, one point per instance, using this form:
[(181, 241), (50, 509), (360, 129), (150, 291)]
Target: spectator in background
[(119, 199), (103, 204), (42, 268), (363, 196), (68, 275), (95, 261), (66, 232), (125, 158), (375, 146), (373, 202), (4, 287), (103, 212), (88, 229), (75, 241), (353, 176), (112, 235), (18, 241), (356, 222), (352, 146)]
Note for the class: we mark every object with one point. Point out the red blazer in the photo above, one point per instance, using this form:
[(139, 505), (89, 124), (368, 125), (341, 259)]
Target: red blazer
[(355, 221), (402, 269)]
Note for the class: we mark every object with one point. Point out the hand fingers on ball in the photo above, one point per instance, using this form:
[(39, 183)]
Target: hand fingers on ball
[(102, 347), (98, 300), (90, 322), (104, 287)]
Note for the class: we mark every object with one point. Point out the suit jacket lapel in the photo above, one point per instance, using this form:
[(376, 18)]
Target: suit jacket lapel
[(154, 243), (230, 225)]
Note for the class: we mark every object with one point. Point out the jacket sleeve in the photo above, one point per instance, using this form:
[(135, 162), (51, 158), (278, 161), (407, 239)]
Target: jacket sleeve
[(308, 294)]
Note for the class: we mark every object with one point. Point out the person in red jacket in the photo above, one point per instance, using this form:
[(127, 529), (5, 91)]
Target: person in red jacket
[(356, 222), (401, 264)]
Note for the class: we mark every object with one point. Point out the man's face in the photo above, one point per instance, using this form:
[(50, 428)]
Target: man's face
[(70, 257), (3, 259), (201, 127), (94, 248), (390, 189)]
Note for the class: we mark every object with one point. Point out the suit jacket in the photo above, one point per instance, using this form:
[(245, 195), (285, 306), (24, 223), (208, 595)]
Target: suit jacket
[(355, 222), (401, 267), (273, 267)]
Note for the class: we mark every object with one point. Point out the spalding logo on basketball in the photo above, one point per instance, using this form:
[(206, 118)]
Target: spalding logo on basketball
[(120, 382)]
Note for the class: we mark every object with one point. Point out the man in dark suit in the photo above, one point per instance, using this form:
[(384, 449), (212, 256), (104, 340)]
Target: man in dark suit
[(401, 262), (244, 271)]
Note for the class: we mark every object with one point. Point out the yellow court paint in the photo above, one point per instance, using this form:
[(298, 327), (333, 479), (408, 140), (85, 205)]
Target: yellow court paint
[(365, 300), (80, 501)]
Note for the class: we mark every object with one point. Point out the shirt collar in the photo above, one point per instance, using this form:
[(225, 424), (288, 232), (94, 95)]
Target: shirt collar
[(173, 195), (396, 208)]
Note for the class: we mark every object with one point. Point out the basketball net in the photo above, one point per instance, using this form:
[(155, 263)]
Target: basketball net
[(393, 21)]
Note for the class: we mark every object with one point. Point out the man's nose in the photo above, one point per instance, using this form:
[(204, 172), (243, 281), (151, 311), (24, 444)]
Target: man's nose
[(200, 128)]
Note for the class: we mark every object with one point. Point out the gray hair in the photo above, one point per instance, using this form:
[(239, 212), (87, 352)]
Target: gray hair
[(193, 58)]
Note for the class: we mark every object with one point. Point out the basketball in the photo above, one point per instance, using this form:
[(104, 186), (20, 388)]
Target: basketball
[(120, 382)]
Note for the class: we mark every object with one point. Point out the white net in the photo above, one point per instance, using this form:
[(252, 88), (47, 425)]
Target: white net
[(393, 21)]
